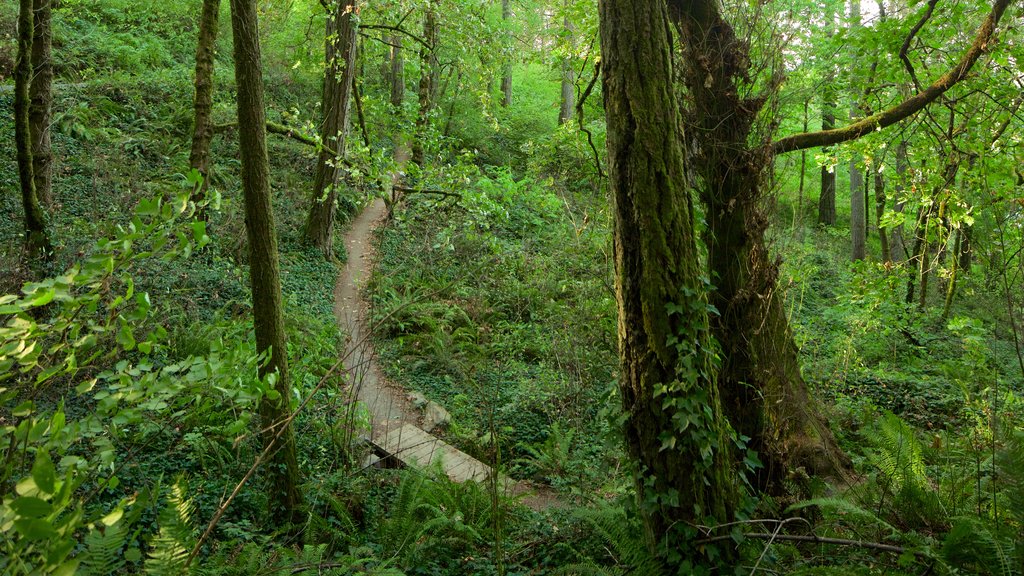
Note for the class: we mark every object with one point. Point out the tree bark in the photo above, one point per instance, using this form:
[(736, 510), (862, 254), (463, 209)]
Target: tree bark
[(827, 198), (202, 133), (37, 237), (880, 203), (568, 98), (41, 96), (763, 392), (264, 275), (684, 476), (340, 52), (506, 71), (899, 244), (397, 72), (858, 215), (429, 71)]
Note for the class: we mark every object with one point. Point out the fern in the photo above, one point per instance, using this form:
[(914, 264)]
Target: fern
[(622, 538), (898, 454), (971, 545), (171, 546), (104, 554), (848, 510)]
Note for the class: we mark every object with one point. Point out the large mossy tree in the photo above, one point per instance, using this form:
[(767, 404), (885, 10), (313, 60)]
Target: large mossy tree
[(674, 427), (708, 358)]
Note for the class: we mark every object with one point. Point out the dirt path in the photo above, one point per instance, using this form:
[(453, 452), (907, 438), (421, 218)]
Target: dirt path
[(388, 407)]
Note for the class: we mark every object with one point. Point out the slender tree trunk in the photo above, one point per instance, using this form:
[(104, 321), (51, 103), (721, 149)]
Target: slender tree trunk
[(202, 133), (397, 72), (827, 198), (918, 254), (506, 71), (684, 476), (880, 204), (898, 246), (763, 392), (41, 95), (37, 237), (429, 70), (264, 275), (798, 215), (568, 99), (340, 53), (858, 213), (953, 273)]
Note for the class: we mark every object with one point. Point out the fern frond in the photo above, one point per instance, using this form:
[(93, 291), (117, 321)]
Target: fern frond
[(174, 541), (898, 453), (848, 510), (971, 545), (104, 554)]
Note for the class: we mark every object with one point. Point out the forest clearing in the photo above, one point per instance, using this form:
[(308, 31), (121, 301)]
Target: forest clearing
[(511, 287)]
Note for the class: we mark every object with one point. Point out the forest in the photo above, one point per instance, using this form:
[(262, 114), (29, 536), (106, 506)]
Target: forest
[(511, 287)]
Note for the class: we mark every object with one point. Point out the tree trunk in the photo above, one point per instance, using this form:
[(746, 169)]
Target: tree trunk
[(429, 70), (506, 72), (340, 52), (763, 392), (684, 475), (827, 198), (202, 133), (568, 99), (264, 276), (37, 238), (880, 203), (397, 73), (898, 246), (41, 96), (858, 213)]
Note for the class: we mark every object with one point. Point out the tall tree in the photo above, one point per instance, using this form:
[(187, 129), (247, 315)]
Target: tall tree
[(41, 95), (667, 375), (429, 77), (506, 69), (397, 72), (340, 50), (37, 236), (858, 216), (827, 198), (202, 131), (264, 274), (568, 96)]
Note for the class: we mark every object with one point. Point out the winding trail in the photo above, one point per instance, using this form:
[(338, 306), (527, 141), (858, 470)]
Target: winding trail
[(391, 413)]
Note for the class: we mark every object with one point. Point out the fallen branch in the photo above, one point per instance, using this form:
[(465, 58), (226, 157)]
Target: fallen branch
[(892, 548), (406, 190)]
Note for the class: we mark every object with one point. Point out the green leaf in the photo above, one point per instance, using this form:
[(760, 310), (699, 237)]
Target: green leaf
[(43, 472), (113, 517), (23, 409), (31, 507), (44, 297), (125, 338), (34, 529)]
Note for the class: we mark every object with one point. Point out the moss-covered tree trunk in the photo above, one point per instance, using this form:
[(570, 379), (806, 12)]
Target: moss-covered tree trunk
[(827, 197), (684, 474), (37, 237), (340, 50), (763, 393), (264, 275), (41, 95), (429, 76), (202, 130), (506, 68)]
